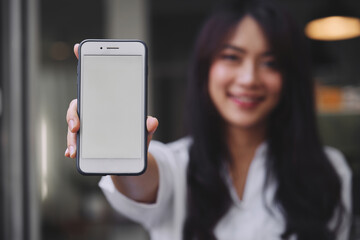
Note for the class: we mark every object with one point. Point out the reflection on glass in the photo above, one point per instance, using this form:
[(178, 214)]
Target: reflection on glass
[(44, 147)]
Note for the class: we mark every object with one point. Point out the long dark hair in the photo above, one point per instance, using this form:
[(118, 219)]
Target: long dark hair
[(308, 190)]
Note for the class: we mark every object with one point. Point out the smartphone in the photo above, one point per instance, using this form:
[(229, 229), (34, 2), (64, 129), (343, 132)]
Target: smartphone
[(112, 107)]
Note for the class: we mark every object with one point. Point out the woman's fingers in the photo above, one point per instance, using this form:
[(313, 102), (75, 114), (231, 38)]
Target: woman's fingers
[(151, 124), (72, 117), (67, 153), (71, 145), (76, 50), (73, 121)]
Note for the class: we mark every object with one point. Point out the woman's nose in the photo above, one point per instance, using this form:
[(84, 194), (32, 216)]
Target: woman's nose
[(247, 75)]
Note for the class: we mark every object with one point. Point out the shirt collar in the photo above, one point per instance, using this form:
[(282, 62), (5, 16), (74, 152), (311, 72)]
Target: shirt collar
[(259, 158)]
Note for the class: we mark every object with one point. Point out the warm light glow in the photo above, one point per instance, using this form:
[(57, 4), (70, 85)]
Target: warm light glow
[(44, 187), (333, 28)]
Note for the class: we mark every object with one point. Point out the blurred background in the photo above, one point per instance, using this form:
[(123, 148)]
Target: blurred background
[(42, 194)]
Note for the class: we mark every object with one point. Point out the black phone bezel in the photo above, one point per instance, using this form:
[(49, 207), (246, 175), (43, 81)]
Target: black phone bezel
[(79, 105)]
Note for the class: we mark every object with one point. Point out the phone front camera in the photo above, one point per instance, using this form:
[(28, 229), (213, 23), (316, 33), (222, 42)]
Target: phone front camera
[(100, 47)]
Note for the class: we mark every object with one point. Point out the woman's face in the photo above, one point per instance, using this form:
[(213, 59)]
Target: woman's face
[(244, 83)]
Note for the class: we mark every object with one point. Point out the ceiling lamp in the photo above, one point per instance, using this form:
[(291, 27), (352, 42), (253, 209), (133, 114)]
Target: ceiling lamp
[(335, 20), (333, 28)]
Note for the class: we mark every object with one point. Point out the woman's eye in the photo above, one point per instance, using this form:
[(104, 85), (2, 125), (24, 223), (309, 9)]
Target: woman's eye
[(230, 57), (271, 64)]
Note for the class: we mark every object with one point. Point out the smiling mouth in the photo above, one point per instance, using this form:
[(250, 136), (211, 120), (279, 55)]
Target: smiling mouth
[(247, 102)]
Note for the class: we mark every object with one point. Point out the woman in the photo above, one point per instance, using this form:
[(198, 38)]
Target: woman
[(253, 166)]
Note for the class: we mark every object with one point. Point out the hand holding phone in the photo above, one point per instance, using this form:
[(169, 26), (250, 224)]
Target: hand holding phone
[(112, 89), (73, 122)]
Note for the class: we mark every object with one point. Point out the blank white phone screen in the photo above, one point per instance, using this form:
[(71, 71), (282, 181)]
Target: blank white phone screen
[(111, 112)]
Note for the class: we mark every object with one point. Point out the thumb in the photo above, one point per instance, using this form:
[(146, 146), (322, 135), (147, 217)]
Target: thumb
[(151, 125), (76, 50)]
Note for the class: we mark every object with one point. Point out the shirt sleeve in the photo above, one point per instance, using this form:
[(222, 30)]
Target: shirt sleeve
[(343, 170), (148, 215)]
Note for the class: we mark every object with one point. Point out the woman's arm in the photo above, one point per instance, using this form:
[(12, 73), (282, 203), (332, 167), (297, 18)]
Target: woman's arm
[(141, 188)]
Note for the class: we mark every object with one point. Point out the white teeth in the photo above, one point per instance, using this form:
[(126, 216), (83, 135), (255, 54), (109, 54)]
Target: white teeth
[(246, 99)]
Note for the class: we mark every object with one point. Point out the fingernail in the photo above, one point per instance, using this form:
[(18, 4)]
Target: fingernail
[(66, 152), (72, 151), (71, 124)]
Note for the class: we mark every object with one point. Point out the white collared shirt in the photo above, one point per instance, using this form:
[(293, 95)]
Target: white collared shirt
[(247, 219)]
